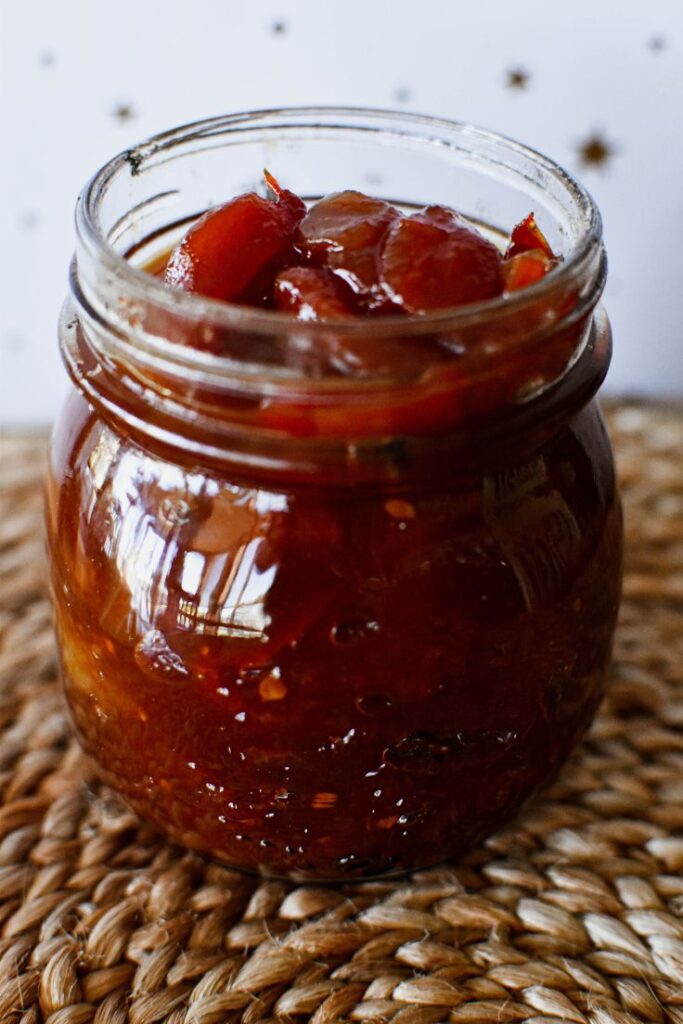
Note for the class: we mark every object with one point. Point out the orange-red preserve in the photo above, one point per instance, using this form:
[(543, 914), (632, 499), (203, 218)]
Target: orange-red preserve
[(314, 622)]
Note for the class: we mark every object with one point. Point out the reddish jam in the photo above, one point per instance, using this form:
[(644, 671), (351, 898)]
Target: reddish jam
[(344, 671), (226, 252), (349, 255)]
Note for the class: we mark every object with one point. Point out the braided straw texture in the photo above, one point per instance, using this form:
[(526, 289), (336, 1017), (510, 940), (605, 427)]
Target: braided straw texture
[(573, 913)]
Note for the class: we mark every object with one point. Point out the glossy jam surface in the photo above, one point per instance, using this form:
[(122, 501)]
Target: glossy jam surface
[(345, 624), (349, 255), (330, 681), (352, 261)]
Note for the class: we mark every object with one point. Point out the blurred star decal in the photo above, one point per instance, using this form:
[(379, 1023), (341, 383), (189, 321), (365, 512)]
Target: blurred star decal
[(595, 151), (517, 78), (402, 94), (123, 112), (29, 220)]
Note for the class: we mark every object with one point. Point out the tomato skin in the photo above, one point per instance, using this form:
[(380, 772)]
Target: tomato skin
[(527, 236), (435, 259), (525, 268)]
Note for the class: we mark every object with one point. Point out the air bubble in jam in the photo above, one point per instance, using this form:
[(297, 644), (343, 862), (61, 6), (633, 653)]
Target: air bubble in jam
[(352, 630), (155, 657), (375, 705)]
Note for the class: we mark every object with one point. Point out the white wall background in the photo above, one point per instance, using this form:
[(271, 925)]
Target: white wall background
[(81, 79)]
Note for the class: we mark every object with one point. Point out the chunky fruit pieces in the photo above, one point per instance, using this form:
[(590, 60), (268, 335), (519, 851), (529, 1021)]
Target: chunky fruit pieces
[(525, 268), (349, 255), (527, 237), (435, 259), (528, 256), (311, 293), (346, 232), (225, 251)]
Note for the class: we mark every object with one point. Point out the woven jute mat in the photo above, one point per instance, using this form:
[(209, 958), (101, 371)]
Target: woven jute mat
[(572, 913)]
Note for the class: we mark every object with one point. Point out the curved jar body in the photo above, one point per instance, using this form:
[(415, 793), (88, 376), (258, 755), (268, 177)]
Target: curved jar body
[(329, 682), (344, 660)]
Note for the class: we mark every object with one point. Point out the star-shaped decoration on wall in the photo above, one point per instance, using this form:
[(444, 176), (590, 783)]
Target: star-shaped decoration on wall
[(12, 341), (29, 220), (402, 94), (123, 112), (517, 78), (657, 44), (595, 150)]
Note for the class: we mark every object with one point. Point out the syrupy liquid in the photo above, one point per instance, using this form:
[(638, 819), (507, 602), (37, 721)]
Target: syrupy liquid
[(328, 681)]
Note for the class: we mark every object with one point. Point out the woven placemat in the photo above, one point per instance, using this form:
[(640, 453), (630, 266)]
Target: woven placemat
[(573, 913)]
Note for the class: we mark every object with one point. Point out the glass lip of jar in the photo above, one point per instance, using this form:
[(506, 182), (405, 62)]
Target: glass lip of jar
[(94, 244)]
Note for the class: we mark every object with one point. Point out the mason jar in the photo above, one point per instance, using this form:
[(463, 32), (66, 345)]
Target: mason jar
[(320, 624)]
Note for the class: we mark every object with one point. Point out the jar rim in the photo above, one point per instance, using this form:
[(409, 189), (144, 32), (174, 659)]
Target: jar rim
[(136, 348), (94, 242)]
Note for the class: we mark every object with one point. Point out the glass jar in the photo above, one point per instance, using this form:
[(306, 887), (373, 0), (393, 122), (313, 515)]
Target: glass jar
[(319, 624)]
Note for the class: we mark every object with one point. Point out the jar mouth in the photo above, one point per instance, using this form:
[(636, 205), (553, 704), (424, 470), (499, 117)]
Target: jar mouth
[(96, 248)]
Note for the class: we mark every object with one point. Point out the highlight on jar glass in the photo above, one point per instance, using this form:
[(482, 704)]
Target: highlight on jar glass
[(334, 528)]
